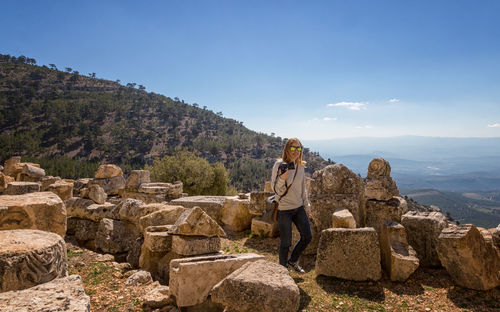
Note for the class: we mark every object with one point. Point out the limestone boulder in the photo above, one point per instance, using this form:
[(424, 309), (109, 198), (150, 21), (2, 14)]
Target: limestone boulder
[(32, 171), (62, 189), (158, 239), (343, 218), (471, 262), (85, 230), (379, 167), (378, 212), (334, 187), (165, 215), (60, 294), (133, 210), (19, 188), (88, 209), (422, 230), (48, 180), (158, 298), (136, 178), (158, 263), (12, 166), (258, 202), (108, 171), (80, 184), (42, 211), (380, 188), (115, 236), (211, 205), (195, 245), (398, 258), (196, 222), (264, 228), (29, 258), (258, 286), (97, 194), (185, 283), (110, 185), (139, 278), (4, 181), (236, 215), (350, 254)]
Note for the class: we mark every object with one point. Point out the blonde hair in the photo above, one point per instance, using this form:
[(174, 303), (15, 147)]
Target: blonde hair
[(286, 151)]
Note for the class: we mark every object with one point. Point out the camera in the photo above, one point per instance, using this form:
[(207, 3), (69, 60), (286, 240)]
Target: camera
[(284, 166)]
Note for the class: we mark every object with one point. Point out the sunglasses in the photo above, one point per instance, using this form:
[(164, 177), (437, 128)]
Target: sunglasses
[(296, 148)]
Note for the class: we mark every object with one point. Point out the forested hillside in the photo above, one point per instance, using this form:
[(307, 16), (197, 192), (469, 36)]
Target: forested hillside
[(71, 122)]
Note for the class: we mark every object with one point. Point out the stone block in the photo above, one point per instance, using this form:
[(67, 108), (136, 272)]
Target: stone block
[(19, 188), (167, 215), (29, 258), (80, 184), (263, 228), (258, 202), (196, 222), (87, 209), (422, 230), (379, 212), (350, 254), (212, 205), (4, 181), (41, 211), (158, 238), (258, 286), (380, 188), (97, 194), (343, 218), (115, 236), (110, 185), (133, 210), (471, 262), (398, 258), (136, 178), (32, 171), (62, 189), (185, 282), (235, 214), (12, 166), (60, 294), (195, 245), (108, 171)]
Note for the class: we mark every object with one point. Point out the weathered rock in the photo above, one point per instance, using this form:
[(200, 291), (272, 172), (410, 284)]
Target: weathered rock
[(185, 282), (351, 254), (19, 188), (62, 189), (263, 228), (139, 278), (85, 230), (60, 294), (195, 245), (422, 230), (258, 202), (158, 239), (379, 212), (258, 286), (398, 258), (312, 247), (80, 184), (212, 205), (97, 194), (196, 222), (471, 262), (114, 236), (84, 193), (42, 211), (496, 236), (136, 178), (48, 180), (133, 210), (29, 258), (167, 215), (4, 181), (108, 171), (32, 171), (380, 188), (235, 214), (158, 298), (158, 263), (334, 187), (343, 218), (87, 209), (379, 167), (110, 185), (12, 166)]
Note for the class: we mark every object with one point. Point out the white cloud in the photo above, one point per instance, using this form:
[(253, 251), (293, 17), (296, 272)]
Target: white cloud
[(349, 105), (329, 118), (364, 127), (496, 125), (394, 100)]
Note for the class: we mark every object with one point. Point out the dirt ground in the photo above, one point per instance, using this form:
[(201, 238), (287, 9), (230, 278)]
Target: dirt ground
[(425, 290)]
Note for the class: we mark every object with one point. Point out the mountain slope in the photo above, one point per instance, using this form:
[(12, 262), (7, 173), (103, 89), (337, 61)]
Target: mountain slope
[(47, 113)]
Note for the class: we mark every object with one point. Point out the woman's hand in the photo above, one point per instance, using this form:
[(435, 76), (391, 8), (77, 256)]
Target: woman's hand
[(284, 176)]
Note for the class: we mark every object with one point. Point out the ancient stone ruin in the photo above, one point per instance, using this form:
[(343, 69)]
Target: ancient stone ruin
[(174, 238)]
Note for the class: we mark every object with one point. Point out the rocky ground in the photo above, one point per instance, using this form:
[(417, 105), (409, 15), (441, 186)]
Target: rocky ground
[(426, 290)]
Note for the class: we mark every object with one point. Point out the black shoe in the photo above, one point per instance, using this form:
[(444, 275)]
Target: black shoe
[(296, 266)]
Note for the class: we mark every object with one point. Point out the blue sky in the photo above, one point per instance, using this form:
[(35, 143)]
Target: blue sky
[(311, 69)]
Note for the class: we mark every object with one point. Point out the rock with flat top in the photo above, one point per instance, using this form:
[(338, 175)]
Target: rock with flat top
[(115, 236), (133, 210), (165, 215), (41, 211), (212, 205), (195, 245), (196, 222), (87, 209), (158, 239), (258, 286), (111, 186), (108, 171), (32, 171), (378, 212), (185, 282), (398, 258), (19, 188), (136, 178), (60, 294), (61, 188), (29, 258), (350, 254), (236, 215), (342, 218), (380, 188), (471, 261)]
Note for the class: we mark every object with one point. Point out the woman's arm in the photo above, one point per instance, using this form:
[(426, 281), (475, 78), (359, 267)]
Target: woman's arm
[(277, 184)]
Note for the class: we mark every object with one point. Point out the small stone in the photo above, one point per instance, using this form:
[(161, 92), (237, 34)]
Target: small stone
[(139, 278)]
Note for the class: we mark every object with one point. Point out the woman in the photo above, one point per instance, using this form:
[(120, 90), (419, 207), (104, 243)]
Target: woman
[(290, 186)]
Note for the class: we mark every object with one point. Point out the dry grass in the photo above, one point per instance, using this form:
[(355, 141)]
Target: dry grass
[(426, 290)]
